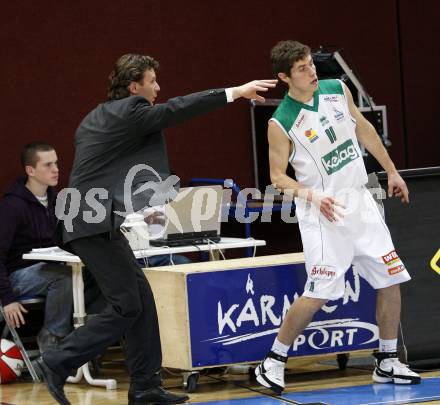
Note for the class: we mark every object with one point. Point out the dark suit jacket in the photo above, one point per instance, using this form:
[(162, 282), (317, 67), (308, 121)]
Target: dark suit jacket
[(114, 138)]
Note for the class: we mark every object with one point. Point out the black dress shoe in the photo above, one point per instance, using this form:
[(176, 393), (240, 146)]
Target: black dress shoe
[(156, 395), (55, 383)]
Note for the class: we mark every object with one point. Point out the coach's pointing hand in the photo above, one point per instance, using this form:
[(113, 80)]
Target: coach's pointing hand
[(249, 90)]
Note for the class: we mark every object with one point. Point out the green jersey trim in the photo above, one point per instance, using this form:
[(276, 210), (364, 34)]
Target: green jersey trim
[(287, 113), (289, 109), (331, 86)]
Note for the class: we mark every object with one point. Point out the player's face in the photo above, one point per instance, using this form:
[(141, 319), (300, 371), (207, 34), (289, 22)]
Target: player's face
[(45, 171), (303, 76), (148, 88)]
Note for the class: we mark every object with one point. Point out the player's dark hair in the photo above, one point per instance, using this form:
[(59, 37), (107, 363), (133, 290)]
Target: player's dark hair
[(285, 53)]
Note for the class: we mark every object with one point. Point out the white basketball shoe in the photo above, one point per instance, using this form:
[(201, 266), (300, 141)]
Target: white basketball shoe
[(270, 372), (390, 370)]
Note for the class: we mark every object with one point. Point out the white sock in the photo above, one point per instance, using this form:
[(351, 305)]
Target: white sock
[(280, 348), (388, 346)]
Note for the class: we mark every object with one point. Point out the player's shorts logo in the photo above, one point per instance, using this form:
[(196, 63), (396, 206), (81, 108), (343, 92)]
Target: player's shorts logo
[(392, 260), (339, 157), (396, 269), (322, 272)]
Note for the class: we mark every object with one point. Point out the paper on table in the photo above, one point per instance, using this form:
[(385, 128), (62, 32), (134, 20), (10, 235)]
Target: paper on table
[(51, 250)]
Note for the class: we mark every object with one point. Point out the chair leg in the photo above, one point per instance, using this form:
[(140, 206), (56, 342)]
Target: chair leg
[(23, 352), (26, 359), (5, 331)]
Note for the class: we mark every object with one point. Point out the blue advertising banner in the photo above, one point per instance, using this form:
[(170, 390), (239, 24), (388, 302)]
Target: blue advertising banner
[(234, 315)]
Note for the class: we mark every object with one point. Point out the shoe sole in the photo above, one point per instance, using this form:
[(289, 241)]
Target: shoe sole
[(397, 381), (264, 383)]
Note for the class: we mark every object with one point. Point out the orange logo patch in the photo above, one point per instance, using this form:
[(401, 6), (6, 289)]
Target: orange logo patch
[(395, 270)]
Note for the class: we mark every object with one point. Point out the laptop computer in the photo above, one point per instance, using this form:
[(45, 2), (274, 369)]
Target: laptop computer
[(192, 218)]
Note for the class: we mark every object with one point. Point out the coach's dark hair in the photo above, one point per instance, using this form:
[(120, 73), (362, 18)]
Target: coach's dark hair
[(285, 53), (128, 68), (29, 156)]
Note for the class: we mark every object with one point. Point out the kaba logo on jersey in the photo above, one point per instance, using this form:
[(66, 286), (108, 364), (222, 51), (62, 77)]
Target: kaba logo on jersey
[(339, 157)]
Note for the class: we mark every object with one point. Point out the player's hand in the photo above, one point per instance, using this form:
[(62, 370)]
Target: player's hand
[(14, 314), (397, 187), (249, 90), (327, 205)]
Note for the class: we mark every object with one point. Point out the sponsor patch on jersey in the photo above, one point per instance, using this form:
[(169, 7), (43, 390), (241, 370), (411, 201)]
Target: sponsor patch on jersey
[(300, 121), (324, 121), (339, 115), (339, 157), (311, 135), (332, 99), (322, 272)]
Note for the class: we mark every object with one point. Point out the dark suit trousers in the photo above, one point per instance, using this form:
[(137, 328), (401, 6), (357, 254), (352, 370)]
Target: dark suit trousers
[(130, 312)]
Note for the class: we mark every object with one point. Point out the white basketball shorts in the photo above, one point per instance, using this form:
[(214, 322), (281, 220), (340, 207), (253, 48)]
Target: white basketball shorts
[(361, 238)]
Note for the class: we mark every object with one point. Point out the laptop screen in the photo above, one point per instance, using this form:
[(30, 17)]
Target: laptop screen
[(195, 213)]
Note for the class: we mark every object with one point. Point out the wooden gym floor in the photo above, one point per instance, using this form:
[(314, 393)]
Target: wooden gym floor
[(306, 382)]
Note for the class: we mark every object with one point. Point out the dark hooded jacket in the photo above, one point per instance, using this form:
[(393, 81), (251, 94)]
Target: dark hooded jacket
[(25, 224)]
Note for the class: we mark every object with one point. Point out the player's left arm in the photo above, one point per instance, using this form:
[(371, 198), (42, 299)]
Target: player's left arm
[(368, 136)]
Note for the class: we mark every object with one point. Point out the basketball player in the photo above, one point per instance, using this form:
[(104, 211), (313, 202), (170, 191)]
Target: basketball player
[(316, 129)]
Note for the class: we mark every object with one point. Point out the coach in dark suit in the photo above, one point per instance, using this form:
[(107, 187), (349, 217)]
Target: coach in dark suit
[(111, 141)]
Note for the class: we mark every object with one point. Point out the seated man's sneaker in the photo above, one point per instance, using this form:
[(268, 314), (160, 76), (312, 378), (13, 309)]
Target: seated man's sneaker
[(156, 395), (390, 370), (270, 372)]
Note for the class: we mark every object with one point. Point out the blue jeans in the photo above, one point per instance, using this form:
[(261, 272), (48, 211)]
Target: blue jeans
[(163, 260), (54, 282)]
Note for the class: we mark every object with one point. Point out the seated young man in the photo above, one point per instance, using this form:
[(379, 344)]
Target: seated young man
[(27, 218)]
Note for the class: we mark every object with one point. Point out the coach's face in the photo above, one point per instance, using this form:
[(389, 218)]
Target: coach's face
[(148, 88)]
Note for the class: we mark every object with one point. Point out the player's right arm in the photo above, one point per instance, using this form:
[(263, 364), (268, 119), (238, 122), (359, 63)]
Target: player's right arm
[(279, 150)]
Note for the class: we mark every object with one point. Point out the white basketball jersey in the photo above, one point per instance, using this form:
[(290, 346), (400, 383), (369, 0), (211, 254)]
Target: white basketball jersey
[(326, 153)]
